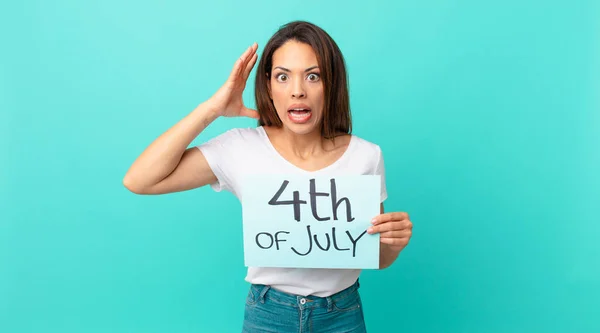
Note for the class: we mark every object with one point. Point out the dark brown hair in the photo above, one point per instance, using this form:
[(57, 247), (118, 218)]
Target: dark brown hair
[(336, 113)]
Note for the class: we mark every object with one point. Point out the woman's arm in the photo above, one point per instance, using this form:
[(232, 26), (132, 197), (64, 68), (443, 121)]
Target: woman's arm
[(167, 164)]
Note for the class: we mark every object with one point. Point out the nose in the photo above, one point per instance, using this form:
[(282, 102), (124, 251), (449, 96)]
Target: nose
[(298, 89)]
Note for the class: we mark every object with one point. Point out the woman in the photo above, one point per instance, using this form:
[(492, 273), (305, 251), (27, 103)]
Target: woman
[(304, 127)]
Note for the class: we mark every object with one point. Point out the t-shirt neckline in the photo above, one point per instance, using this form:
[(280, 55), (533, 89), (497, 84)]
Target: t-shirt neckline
[(285, 161)]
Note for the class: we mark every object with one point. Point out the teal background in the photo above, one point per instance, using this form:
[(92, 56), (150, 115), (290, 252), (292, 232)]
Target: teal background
[(488, 113)]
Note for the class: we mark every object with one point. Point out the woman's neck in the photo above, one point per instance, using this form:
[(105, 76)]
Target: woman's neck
[(303, 146)]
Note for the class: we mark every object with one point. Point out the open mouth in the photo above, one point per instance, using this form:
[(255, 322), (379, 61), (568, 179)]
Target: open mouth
[(299, 115)]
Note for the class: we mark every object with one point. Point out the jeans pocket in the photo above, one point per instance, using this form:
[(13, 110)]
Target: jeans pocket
[(252, 296), (350, 302)]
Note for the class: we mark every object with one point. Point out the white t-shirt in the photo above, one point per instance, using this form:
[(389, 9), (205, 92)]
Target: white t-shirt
[(241, 152)]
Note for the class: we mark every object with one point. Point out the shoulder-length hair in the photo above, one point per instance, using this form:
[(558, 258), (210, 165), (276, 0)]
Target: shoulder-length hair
[(336, 114)]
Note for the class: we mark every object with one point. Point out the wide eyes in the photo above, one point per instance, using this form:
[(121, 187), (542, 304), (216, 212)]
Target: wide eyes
[(312, 77)]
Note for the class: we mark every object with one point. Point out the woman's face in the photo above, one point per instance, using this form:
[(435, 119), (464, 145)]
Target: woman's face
[(296, 88)]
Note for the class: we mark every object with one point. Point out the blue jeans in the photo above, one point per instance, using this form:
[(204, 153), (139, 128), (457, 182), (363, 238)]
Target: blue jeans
[(270, 310)]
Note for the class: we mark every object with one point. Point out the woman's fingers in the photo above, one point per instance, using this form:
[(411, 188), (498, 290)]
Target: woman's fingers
[(240, 64), (402, 242), (247, 53), (235, 72), (395, 234), (250, 65), (389, 226), (248, 60), (230, 94)]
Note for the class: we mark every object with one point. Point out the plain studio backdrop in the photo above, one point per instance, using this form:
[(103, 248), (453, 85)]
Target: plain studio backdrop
[(488, 114)]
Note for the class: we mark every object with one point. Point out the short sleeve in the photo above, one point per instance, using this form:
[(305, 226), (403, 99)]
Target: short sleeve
[(219, 152), (380, 171)]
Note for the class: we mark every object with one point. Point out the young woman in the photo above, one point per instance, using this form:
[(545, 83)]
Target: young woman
[(304, 127)]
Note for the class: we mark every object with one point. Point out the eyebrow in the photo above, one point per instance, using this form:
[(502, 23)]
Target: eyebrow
[(287, 70)]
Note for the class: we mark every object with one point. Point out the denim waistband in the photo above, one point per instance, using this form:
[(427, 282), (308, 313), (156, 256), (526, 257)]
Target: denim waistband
[(263, 292)]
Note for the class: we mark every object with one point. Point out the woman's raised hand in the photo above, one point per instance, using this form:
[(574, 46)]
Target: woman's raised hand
[(227, 101)]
